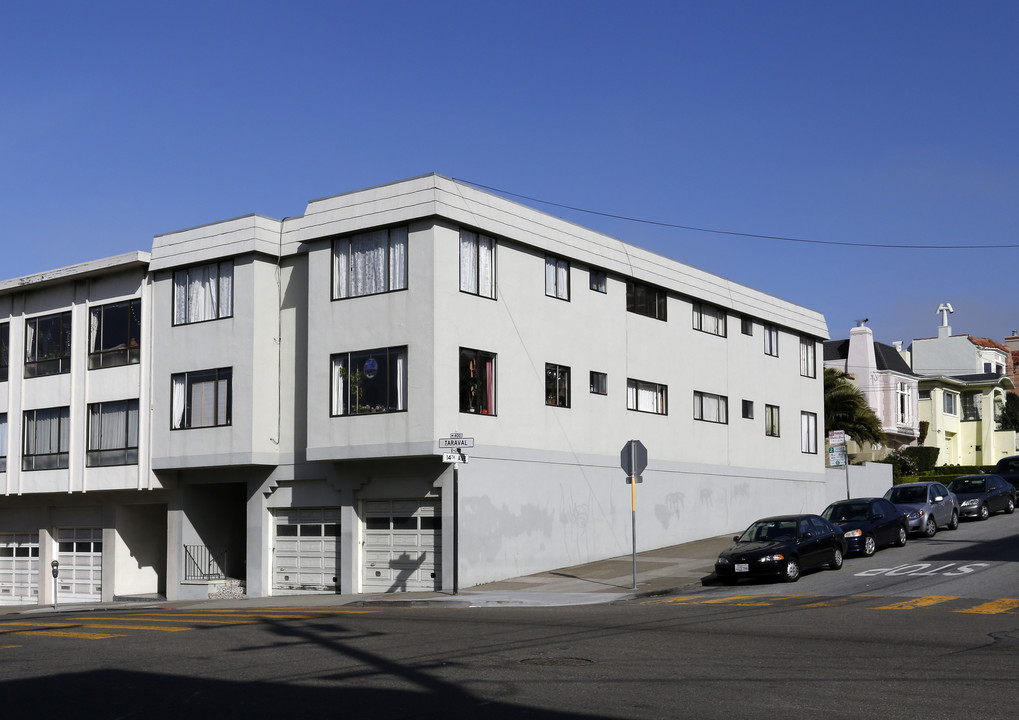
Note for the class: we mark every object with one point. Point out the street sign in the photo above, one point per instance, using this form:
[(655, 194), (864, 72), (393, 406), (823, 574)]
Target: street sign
[(836, 437), (455, 458), (456, 442), (837, 456), (633, 458)]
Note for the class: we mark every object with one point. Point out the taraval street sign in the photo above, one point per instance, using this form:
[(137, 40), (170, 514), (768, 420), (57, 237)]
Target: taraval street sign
[(456, 442)]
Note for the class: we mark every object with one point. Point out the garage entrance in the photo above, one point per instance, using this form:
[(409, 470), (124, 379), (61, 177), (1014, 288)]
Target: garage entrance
[(306, 549), (80, 552), (19, 568), (403, 545)]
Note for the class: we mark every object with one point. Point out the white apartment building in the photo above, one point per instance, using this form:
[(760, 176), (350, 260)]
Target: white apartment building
[(295, 377)]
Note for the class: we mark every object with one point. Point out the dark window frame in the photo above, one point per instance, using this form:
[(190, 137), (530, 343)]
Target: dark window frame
[(646, 300), (126, 350), (387, 366), (196, 377), (124, 453), (557, 385), (58, 460), (55, 358)]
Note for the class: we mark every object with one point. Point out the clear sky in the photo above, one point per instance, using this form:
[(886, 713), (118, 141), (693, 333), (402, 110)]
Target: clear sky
[(845, 124)]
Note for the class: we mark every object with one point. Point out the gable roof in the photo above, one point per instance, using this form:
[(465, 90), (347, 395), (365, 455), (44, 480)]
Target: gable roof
[(886, 357)]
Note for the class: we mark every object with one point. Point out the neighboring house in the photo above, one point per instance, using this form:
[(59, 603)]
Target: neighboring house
[(1012, 359), (274, 411), (962, 391), (885, 380)]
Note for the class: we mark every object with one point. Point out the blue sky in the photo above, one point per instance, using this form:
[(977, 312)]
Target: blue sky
[(844, 124)]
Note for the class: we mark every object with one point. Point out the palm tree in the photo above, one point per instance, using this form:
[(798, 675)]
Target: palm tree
[(845, 408)]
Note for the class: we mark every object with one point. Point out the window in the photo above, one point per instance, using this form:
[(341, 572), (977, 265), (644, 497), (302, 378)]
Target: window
[(710, 408), (557, 385), (114, 333), (709, 319), (369, 381), (47, 438), (771, 420), (598, 280), (3, 442), (5, 356), (370, 263), (599, 383), (771, 340), (808, 432), (950, 403), (203, 292), (808, 364), (113, 433), (48, 345), (201, 398), (746, 325), (748, 409), (557, 277), (646, 397), (477, 264), (645, 300), (904, 395), (971, 402), (924, 394), (477, 381)]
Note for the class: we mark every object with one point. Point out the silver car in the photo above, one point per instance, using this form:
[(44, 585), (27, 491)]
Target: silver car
[(928, 506)]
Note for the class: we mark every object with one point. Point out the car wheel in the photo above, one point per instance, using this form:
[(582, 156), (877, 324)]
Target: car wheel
[(1010, 506), (984, 512), (869, 546), (903, 536), (792, 571), (931, 528), (955, 521), (836, 560)]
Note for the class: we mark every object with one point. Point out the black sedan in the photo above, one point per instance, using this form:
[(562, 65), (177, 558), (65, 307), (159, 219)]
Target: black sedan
[(981, 495), (869, 523), (782, 547)]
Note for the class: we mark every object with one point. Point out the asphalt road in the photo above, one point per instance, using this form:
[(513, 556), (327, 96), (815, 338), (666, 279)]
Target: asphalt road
[(866, 641)]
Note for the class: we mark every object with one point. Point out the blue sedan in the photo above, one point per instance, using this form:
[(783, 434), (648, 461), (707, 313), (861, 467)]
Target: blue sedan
[(869, 523)]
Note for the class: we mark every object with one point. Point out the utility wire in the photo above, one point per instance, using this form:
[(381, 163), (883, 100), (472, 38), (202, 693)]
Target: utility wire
[(740, 234)]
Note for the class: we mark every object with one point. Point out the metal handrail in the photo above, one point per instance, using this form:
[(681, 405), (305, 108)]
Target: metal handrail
[(202, 563)]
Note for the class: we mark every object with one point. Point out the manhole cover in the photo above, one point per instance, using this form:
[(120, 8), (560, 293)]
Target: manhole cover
[(560, 661)]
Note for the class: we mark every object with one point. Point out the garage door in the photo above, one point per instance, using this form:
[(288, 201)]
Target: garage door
[(80, 552), (19, 568), (306, 550), (403, 545)]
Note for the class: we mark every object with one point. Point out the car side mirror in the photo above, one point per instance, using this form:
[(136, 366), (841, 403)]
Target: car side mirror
[(939, 498), (735, 538), (807, 535), (878, 516)]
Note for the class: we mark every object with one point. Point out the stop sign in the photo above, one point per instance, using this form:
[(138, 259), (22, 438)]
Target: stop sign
[(633, 457)]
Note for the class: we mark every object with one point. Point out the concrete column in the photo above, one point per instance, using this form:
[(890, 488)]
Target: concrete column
[(351, 549), (259, 542), (174, 545), (109, 552), (47, 554)]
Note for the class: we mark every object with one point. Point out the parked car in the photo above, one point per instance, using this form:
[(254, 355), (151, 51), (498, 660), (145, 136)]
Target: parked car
[(981, 495), (782, 547), (928, 506), (868, 523), (1008, 468)]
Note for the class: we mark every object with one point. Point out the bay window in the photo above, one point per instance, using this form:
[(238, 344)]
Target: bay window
[(370, 263), (201, 398), (369, 381), (477, 264), (203, 292), (477, 381)]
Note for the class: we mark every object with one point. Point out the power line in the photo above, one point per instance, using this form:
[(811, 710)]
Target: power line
[(740, 234)]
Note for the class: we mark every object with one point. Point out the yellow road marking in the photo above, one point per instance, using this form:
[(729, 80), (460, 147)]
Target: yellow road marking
[(994, 607), (152, 618), (8, 647), (99, 626), (837, 601), (918, 602), (58, 633)]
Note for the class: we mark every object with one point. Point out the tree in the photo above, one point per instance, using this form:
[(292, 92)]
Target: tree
[(1010, 413), (845, 408)]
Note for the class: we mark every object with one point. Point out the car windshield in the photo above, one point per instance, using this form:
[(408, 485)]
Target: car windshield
[(770, 530), (908, 495), (1008, 466), (846, 512), (968, 485)]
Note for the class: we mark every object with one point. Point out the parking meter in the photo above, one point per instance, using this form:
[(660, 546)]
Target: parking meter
[(55, 564)]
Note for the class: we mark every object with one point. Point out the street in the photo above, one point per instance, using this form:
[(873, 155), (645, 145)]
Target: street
[(909, 632)]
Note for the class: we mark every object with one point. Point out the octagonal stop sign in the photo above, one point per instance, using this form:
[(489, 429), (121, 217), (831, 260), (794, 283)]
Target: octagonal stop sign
[(633, 458)]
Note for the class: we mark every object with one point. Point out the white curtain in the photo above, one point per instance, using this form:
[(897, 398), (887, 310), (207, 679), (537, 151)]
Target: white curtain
[(339, 385), (401, 380), (341, 268), (468, 261), (94, 344), (3, 435), (30, 341), (108, 425), (222, 400), (202, 287), (202, 403), (46, 434), (180, 297), (398, 258), (550, 275), (631, 395), (226, 289), (368, 255), (647, 397), (179, 403), (808, 432), (486, 266)]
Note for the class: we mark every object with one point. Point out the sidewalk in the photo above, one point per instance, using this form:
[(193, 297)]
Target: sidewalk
[(659, 572)]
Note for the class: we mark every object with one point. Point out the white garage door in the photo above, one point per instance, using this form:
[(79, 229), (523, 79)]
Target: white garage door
[(403, 545), (306, 551), (19, 568), (80, 553)]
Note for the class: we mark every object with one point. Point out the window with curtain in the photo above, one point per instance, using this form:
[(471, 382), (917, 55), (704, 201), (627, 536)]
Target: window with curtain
[(598, 280), (557, 277), (771, 420), (710, 408), (370, 263), (3, 442), (5, 357), (477, 264), (808, 362), (646, 397), (112, 433), (47, 438), (203, 292), (771, 340), (904, 394), (201, 398), (114, 334), (477, 381), (709, 319), (746, 325), (599, 383), (808, 432), (369, 381), (557, 385), (645, 300), (48, 345)]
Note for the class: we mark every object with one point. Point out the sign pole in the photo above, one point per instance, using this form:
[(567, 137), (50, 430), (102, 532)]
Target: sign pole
[(633, 460), (456, 528), (633, 524)]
